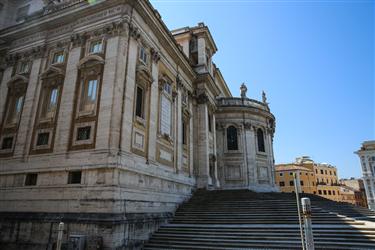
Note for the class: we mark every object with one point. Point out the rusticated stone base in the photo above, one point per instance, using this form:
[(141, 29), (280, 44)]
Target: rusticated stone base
[(35, 231)]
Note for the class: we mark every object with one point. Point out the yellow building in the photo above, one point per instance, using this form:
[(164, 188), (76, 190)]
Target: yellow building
[(327, 181), (285, 180), (315, 178)]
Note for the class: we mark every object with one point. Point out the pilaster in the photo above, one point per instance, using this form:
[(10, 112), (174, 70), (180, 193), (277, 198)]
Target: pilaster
[(29, 110), (249, 133), (4, 90), (64, 119), (108, 131), (153, 112), (129, 96), (179, 131), (202, 156)]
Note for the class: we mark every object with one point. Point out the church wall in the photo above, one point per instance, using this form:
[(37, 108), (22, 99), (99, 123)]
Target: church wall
[(116, 180)]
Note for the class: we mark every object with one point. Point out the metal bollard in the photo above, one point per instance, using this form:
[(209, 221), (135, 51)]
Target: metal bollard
[(306, 209), (60, 235)]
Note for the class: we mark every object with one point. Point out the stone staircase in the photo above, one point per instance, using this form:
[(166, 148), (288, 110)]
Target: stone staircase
[(241, 219)]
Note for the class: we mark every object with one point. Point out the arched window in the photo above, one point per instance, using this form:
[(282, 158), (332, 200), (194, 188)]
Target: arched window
[(232, 142), (260, 138)]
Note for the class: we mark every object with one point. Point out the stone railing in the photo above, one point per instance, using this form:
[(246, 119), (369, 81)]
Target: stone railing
[(241, 102), (54, 6)]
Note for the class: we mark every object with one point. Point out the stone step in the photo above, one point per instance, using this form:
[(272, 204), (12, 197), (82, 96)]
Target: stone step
[(271, 236), (246, 244)]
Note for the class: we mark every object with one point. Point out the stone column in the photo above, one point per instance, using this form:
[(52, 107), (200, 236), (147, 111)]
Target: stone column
[(28, 112), (108, 127), (153, 112), (179, 131), (64, 120), (251, 155), (191, 140), (202, 143), (216, 181), (270, 158), (220, 147), (127, 123), (4, 91)]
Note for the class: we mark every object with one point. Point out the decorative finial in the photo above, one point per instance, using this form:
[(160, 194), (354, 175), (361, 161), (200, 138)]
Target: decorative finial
[(243, 90), (264, 98)]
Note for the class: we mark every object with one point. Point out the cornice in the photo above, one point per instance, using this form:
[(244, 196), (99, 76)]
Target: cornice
[(153, 19)]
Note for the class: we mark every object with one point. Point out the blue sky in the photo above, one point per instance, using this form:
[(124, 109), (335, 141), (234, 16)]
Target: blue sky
[(314, 59)]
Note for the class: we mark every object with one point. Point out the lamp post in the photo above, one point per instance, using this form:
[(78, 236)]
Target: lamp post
[(60, 235), (309, 238), (297, 190)]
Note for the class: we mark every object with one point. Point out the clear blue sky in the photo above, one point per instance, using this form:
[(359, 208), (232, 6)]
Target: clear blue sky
[(314, 59)]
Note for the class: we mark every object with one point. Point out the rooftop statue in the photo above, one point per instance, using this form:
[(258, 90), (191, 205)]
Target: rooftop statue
[(243, 90)]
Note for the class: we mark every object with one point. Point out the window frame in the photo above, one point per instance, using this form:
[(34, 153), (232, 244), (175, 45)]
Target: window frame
[(91, 45), (167, 94), (235, 136), (31, 179), (71, 178), (260, 149), (53, 55), (84, 96)]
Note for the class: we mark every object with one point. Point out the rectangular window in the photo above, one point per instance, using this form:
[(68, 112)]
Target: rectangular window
[(321, 171), (89, 95), (42, 139), (291, 183), (58, 57), (31, 179), (326, 171), (325, 192), (329, 192), (50, 103), (281, 174), (290, 173), (281, 184), (316, 171), (7, 143), (143, 55), (139, 103), (23, 67), (74, 177), (83, 133), (167, 88), (166, 116), (330, 172), (15, 109), (333, 191), (91, 90), (320, 191), (96, 47), (301, 182)]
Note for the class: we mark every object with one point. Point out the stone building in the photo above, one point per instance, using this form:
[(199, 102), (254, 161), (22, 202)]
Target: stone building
[(109, 121), (315, 178), (367, 158)]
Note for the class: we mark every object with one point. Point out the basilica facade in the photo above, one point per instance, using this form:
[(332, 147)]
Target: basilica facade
[(109, 121)]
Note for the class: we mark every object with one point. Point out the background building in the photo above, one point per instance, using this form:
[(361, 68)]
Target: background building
[(284, 178), (367, 158), (320, 179)]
